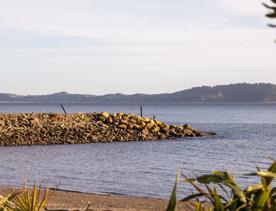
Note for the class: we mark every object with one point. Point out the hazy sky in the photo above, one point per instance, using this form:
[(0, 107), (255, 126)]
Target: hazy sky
[(130, 46)]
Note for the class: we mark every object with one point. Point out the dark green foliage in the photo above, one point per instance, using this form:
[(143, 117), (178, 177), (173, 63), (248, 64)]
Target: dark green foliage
[(172, 202), (272, 11), (220, 190)]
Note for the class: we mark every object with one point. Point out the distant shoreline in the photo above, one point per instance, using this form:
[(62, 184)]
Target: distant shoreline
[(137, 103), (241, 92)]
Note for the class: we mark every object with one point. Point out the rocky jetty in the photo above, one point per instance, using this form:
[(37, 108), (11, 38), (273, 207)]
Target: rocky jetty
[(81, 128)]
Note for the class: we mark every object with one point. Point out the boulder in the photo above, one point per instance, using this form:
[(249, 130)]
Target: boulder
[(123, 126), (150, 125), (145, 131)]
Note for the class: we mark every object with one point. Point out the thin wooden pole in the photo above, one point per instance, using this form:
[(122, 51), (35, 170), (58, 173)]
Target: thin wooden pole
[(63, 109), (141, 111)]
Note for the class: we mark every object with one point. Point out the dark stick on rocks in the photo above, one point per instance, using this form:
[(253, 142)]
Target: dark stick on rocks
[(63, 109), (141, 111)]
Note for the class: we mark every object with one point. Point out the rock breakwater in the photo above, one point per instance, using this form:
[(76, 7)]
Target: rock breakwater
[(81, 128)]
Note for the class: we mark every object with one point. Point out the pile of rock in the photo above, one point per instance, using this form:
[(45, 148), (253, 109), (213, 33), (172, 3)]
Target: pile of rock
[(53, 128)]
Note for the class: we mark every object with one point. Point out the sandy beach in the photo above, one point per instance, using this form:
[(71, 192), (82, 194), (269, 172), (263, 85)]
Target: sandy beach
[(68, 200)]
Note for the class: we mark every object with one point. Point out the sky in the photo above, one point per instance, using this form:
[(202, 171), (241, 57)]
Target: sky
[(132, 46)]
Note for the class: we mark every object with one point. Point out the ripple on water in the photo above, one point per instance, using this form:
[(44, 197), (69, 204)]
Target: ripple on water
[(247, 137)]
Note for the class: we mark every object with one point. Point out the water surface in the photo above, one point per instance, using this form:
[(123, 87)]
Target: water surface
[(246, 137)]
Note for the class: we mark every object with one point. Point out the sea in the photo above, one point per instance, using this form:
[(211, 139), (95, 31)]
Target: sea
[(246, 138)]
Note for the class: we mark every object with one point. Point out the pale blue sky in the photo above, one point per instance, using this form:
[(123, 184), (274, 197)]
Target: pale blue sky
[(132, 46)]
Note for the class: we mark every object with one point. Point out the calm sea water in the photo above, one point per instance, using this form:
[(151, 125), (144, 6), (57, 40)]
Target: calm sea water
[(246, 138)]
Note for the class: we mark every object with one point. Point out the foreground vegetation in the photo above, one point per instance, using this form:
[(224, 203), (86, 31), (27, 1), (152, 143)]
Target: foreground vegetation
[(27, 200), (218, 191), (272, 11)]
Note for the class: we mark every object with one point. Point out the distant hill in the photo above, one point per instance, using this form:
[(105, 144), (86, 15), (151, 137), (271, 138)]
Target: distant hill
[(242, 92)]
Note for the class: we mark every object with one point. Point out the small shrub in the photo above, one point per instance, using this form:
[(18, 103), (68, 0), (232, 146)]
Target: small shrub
[(220, 192), (27, 200), (31, 200), (6, 203)]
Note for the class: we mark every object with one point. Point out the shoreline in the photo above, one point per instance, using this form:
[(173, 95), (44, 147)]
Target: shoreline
[(70, 200)]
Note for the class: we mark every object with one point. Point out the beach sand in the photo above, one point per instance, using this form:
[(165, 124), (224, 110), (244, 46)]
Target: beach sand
[(68, 200)]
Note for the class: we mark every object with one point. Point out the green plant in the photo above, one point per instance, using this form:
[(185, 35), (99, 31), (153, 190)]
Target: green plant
[(218, 191), (6, 203), (173, 199), (31, 200), (271, 14)]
